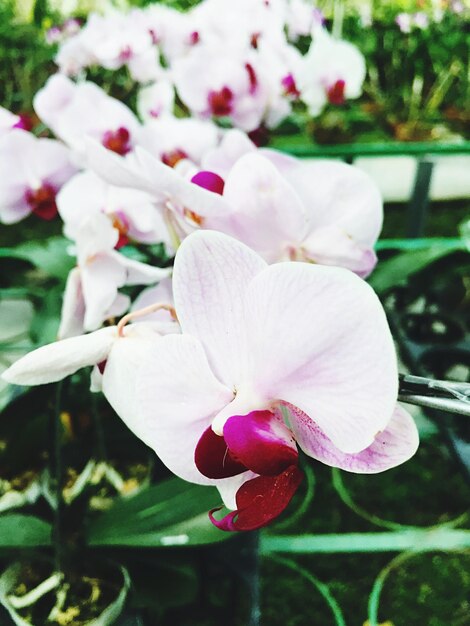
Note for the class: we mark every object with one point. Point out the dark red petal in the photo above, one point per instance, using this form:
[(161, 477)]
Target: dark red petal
[(117, 141), (261, 441), (260, 500), (335, 93), (252, 78), (210, 181), (174, 157), (220, 102), (213, 458), (42, 201)]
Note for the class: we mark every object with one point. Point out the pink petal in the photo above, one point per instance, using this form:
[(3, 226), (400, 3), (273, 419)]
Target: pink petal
[(260, 500), (391, 447), (210, 181), (261, 442), (338, 195), (332, 246), (210, 278), (320, 340), (268, 214)]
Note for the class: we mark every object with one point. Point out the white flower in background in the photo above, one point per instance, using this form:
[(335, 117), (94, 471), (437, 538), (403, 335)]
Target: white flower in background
[(132, 213), (112, 41), (92, 291), (157, 100), (75, 111), (173, 139), (332, 71), (284, 208), (242, 24), (301, 16), (32, 172), (218, 85), (183, 204)]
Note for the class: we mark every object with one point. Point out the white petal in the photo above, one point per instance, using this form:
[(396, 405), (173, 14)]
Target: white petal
[(210, 278), (177, 396), (320, 341), (58, 360)]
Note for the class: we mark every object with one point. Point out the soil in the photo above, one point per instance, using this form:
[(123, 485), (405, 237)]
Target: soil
[(88, 593)]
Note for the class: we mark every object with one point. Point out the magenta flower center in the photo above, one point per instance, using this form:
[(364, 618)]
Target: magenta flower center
[(221, 102), (173, 157), (42, 201), (194, 38), (262, 443), (210, 181), (289, 86), (117, 141), (252, 78), (335, 93), (25, 122)]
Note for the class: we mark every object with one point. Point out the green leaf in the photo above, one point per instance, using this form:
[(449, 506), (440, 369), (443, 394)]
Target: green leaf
[(23, 531), (49, 255), (413, 540), (172, 513), (177, 584), (398, 269)]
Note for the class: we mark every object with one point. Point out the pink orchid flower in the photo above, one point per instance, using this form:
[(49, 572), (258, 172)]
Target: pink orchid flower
[(91, 294), (229, 85), (184, 205), (33, 170), (74, 111), (271, 358), (332, 71), (284, 208)]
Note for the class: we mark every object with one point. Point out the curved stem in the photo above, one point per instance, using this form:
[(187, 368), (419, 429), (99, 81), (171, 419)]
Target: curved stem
[(145, 311)]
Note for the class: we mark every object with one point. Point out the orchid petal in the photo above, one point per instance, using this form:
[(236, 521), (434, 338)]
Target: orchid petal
[(209, 282), (320, 341), (178, 190), (332, 246), (122, 370), (261, 500), (261, 442), (177, 396), (268, 213), (73, 307), (143, 171), (213, 458), (391, 447), (57, 360), (138, 273), (101, 279), (336, 194), (228, 488)]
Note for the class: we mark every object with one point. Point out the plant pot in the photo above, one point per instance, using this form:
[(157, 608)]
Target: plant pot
[(33, 596)]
